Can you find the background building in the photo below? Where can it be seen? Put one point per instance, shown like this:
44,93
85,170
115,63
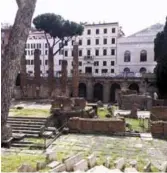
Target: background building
136,52
97,50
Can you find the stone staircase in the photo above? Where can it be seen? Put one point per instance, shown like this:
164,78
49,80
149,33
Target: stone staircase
30,126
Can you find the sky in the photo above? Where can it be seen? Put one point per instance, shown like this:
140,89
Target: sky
132,15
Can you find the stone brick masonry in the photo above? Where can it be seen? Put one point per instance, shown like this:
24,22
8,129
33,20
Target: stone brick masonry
104,126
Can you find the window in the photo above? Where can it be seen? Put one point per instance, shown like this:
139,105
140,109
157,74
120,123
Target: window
97,52
72,53
32,62
38,46
88,42
104,52
112,51
88,31
72,43
28,46
113,30
60,62
32,52
46,62
104,63
60,45
46,45
88,52
47,71
105,41
30,72
27,62
126,70
127,55
72,63
96,70
143,56
96,63
80,42
104,71
40,62
66,43
28,52
80,52
143,70
80,71
66,53
112,63
25,52
97,31
61,52
31,46
72,71
80,63
46,52
112,70
105,31
97,41
113,40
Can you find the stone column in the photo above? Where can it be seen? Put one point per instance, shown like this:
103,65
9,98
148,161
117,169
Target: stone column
89,90
64,77
51,71
23,76
75,77
37,76
106,92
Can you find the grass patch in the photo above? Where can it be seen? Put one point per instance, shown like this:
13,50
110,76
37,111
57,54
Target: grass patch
35,140
10,163
30,112
136,125
102,113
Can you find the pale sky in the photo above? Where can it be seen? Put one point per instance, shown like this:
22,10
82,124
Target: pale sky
132,15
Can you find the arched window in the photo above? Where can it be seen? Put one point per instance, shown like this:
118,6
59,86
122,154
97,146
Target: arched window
127,56
127,70
143,70
143,56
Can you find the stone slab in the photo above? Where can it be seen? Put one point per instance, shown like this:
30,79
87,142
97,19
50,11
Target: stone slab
59,168
70,162
82,165
40,165
127,170
146,136
53,164
120,163
91,160
50,156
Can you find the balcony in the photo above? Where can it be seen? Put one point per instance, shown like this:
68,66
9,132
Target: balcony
88,58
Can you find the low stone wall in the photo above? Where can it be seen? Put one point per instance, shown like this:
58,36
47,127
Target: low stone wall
159,128
159,113
142,102
104,126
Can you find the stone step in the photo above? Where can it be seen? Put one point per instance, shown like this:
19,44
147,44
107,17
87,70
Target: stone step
32,118
27,145
29,120
26,128
26,131
26,123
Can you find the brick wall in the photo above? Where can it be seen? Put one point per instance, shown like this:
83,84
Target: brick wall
159,113
104,126
159,128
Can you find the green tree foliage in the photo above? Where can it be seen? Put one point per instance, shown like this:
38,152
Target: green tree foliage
58,28
160,51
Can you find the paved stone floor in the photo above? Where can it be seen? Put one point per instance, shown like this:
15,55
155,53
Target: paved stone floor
128,147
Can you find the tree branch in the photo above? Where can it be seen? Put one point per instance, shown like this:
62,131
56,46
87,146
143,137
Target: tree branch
47,39
61,45
55,42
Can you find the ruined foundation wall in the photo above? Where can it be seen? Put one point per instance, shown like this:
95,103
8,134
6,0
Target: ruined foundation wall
103,126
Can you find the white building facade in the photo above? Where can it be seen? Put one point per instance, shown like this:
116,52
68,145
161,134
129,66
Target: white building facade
136,52
97,51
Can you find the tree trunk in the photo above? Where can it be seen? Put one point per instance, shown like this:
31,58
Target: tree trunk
23,77
37,75
64,78
51,71
75,79
12,56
